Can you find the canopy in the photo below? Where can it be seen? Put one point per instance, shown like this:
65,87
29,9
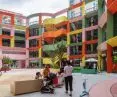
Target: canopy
91,60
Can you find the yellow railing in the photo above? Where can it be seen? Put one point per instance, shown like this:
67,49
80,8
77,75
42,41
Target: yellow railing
55,20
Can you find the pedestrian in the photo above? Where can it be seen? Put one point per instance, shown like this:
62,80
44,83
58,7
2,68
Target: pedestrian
68,77
95,67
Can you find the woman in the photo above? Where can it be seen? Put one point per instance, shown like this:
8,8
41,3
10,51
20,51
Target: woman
46,71
68,77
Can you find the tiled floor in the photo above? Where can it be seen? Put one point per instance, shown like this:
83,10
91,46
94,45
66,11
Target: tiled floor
77,83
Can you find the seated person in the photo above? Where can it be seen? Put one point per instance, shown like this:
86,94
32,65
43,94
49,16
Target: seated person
38,75
46,71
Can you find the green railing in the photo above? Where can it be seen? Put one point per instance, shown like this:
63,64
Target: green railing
19,38
53,47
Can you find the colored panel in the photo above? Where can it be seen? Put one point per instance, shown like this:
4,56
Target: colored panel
74,44
112,41
20,27
103,19
109,59
55,20
112,6
19,38
48,36
53,46
12,42
83,9
76,32
68,39
40,52
0,30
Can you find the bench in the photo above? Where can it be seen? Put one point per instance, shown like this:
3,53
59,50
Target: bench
27,86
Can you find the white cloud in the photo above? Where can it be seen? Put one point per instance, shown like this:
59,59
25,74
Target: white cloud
27,7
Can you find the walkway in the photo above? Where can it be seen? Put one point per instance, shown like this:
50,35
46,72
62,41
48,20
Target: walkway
77,83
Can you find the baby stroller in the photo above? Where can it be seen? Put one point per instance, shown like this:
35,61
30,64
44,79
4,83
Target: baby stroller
48,84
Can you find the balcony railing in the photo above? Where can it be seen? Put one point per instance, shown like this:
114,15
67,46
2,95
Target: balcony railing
53,47
74,15
95,8
34,22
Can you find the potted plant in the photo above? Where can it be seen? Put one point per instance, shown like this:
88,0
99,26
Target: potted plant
6,61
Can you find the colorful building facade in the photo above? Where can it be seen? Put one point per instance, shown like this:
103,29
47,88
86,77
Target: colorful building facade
88,31
107,49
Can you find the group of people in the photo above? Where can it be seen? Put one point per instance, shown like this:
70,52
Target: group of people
64,76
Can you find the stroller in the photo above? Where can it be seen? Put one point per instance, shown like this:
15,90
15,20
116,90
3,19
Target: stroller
48,84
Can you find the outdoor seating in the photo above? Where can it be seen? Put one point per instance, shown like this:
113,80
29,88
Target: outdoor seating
27,86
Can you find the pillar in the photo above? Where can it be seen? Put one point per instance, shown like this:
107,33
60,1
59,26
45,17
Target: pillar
109,59
27,58
0,58
0,18
83,34
12,41
12,20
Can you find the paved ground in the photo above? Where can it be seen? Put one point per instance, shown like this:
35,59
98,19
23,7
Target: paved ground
13,75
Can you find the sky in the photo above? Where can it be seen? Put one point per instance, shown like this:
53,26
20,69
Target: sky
27,7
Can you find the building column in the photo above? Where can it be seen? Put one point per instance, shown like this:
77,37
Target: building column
68,47
27,58
109,59
0,58
12,41
0,18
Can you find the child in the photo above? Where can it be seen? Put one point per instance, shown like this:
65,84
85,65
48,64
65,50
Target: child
38,75
60,78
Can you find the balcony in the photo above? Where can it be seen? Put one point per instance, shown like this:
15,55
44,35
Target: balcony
51,21
91,10
53,47
19,38
112,6
33,23
49,36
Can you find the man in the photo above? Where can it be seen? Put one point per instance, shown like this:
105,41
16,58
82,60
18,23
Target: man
68,77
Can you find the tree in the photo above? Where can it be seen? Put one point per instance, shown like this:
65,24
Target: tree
58,53
61,49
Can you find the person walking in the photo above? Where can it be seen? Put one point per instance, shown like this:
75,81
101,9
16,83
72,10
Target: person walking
68,77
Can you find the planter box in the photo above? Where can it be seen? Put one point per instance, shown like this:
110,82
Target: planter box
88,71
76,69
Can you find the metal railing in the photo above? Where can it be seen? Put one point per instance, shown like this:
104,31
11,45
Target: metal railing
34,22
95,8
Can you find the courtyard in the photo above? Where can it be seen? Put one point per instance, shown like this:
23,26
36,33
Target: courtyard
94,81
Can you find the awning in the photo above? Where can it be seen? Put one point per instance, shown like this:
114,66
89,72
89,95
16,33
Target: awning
112,41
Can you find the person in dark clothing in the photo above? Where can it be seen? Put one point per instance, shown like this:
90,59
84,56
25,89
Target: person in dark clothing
68,77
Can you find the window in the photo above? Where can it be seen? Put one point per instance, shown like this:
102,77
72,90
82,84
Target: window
33,43
6,32
6,42
88,48
95,34
34,32
88,35
33,54
94,48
